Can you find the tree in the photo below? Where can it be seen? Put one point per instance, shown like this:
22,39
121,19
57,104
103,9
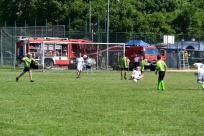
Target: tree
189,21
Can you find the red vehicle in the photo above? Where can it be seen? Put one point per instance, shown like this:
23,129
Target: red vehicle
56,50
148,52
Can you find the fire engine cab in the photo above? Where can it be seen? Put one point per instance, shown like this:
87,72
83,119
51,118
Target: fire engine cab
56,50
149,54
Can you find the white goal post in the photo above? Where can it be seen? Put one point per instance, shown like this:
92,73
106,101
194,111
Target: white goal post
44,47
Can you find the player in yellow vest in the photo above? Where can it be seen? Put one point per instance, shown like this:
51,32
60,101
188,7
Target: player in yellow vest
161,68
27,62
123,65
142,65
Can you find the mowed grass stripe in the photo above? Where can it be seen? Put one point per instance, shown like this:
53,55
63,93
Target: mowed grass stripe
58,103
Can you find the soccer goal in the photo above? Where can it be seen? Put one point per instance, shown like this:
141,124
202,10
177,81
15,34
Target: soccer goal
62,53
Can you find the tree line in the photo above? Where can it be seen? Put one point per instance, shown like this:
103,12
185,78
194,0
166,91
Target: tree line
138,16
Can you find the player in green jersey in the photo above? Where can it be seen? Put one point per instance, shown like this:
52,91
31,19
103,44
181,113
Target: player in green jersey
123,65
27,62
161,68
142,65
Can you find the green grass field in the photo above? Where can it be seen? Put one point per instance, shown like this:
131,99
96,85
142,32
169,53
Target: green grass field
99,104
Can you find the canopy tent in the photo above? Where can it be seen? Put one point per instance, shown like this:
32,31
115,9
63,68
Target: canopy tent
136,42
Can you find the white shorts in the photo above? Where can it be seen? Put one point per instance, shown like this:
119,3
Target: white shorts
201,75
135,76
79,67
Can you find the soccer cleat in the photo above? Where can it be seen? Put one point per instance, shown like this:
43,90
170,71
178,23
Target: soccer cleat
16,79
125,77
31,80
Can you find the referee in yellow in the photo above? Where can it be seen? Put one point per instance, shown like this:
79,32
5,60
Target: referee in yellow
161,68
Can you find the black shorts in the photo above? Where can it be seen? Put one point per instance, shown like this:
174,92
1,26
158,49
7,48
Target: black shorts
88,67
26,69
123,69
161,75
136,64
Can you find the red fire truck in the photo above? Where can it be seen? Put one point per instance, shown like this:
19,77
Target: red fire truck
148,52
56,50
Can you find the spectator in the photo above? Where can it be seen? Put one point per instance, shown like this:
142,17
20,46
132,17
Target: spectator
128,62
193,55
98,62
136,59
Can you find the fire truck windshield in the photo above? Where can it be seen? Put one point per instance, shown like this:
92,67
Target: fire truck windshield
151,51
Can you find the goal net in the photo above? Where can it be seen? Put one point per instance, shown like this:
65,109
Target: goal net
63,54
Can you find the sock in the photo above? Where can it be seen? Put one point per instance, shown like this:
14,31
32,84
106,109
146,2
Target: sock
202,84
162,84
159,84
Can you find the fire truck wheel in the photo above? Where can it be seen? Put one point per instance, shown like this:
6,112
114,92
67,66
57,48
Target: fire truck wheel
48,64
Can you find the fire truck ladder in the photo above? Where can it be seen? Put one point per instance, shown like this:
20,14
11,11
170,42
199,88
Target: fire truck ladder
184,60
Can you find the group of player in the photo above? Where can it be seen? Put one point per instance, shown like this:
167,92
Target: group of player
79,61
80,64
138,73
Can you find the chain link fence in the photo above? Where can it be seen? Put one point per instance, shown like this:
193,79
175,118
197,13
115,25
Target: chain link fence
193,44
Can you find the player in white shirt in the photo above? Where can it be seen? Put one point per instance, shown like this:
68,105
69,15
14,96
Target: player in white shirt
80,63
200,72
88,64
136,59
136,74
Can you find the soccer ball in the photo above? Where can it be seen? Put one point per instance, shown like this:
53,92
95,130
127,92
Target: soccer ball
85,56
135,80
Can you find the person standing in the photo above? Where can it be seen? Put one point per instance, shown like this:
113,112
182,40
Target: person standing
136,59
123,66
142,65
161,68
200,73
27,63
88,65
128,63
80,63
100,61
